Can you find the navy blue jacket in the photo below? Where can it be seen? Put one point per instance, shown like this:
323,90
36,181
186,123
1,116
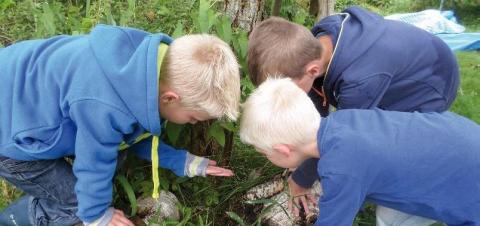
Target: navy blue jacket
383,63
425,164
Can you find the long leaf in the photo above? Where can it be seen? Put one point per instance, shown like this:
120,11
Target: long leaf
130,193
224,29
236,218
87,8
178,30
203,16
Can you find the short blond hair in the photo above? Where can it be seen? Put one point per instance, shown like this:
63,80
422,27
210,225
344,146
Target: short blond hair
277,46
278,112
204,72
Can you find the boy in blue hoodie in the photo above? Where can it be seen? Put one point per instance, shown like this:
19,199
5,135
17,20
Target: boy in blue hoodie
89,95
425,164
355,59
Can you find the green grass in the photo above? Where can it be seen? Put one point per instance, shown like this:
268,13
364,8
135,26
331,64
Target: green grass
467,102
204,199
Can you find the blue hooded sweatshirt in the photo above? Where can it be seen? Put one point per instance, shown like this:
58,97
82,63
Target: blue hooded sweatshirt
382,63
386,64
82,96
425,164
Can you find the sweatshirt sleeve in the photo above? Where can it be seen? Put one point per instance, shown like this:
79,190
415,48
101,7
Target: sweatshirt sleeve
364,94
96,147
169,157
342,198
306,174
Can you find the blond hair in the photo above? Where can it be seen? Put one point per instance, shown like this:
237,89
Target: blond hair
204,72
277,46
278,112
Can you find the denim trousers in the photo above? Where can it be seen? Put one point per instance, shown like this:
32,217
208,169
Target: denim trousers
49,186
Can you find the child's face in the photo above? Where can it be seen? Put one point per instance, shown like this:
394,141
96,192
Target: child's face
172,109
176,113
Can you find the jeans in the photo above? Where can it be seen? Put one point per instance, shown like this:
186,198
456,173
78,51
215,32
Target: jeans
391,217
50,187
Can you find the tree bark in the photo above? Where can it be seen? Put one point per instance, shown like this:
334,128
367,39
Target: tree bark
244,13
313,7
277,5
325,8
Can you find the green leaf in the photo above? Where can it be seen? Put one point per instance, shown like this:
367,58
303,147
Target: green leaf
300,17
4,4
206,16
260,201
224,29
129,14
173,132
228,126
216,131
130,193
87,8
110,19
235,217
47,21
178,32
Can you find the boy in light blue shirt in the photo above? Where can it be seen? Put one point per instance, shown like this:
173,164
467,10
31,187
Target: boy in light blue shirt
89,96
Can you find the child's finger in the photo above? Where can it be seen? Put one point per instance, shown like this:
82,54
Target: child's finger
296,206
290,205
212,163
117,211
119,219
312,199
304,202
218,171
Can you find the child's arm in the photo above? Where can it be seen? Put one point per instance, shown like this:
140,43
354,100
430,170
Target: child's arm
364,94
99,133
181,162
342,198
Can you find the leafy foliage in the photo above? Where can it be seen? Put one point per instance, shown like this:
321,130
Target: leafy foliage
205,201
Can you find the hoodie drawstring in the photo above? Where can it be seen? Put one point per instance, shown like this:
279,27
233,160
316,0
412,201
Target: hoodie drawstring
155,177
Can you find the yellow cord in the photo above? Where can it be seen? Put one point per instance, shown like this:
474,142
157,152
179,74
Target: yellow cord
156,181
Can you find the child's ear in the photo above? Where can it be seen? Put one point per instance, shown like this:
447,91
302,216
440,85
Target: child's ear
282,149
314,69
169,97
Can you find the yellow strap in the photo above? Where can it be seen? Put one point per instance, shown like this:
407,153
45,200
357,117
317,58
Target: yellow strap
124,145
162,50
156,181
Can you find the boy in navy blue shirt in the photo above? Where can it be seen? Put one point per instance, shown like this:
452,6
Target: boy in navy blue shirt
355,60
425,164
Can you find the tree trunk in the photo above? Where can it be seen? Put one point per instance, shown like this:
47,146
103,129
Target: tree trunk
276,7
325,8
313,9
244,13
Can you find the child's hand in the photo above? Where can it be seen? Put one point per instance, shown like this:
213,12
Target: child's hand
119,219
299,196
214,170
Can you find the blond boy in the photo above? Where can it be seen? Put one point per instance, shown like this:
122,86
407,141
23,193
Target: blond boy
424,164
88,95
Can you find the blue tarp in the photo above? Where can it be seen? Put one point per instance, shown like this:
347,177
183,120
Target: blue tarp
462,41
444,25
